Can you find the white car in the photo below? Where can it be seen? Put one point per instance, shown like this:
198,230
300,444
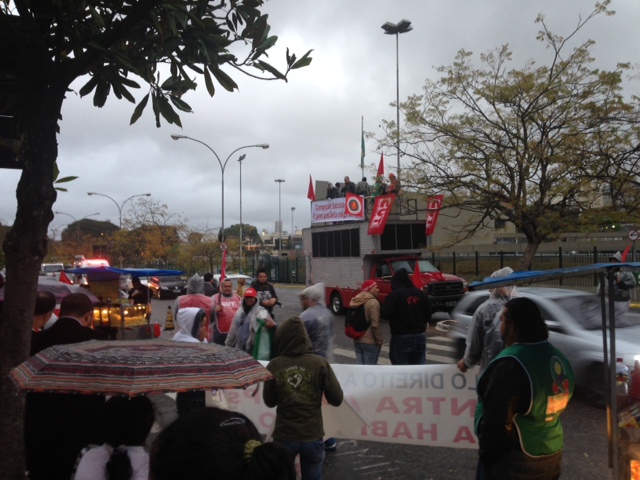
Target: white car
574,320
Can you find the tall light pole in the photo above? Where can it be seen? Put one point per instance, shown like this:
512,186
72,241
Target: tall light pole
222,167
77,222
293,209
403,26
242,157
280,181
121,205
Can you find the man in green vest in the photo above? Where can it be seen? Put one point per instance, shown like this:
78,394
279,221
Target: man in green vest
521,395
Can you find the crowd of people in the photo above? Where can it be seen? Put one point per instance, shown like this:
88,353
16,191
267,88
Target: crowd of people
516,430
379,187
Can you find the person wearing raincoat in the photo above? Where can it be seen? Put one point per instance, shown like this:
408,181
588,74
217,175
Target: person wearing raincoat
483,338
192,327
246,322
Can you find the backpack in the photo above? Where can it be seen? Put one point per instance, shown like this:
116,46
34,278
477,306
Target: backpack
355,322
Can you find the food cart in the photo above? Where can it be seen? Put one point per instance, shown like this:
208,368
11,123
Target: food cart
624,441
118,316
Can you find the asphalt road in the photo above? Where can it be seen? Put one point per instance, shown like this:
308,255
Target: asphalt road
585,455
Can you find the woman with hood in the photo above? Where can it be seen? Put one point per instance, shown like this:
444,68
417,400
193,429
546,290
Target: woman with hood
196,298
300,381
246,322
483,338
368,346
192,327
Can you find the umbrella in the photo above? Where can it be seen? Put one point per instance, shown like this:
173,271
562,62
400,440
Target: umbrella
59,289
125,367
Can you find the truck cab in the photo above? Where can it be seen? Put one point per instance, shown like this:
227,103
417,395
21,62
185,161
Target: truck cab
443,289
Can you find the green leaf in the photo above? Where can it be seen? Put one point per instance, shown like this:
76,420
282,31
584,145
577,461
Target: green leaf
265,66
209,83
67,179
304,61
139,109
223,79
180,104
102,92
89,86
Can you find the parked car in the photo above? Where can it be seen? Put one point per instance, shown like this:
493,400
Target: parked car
574,320
167,286
51,270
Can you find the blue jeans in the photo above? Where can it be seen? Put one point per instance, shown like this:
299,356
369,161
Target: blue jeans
311,457
366,353
409,349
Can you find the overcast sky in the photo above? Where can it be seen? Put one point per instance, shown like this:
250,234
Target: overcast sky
312,123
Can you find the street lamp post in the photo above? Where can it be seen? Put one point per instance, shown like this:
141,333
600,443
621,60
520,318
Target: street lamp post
77,222
242,157
293,209
403,26
120,206
280,181
222,166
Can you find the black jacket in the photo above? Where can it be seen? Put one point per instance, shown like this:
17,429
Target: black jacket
406,308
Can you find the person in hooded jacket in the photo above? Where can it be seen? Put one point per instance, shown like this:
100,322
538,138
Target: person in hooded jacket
368,346
245,324
195,297
483,338
300,381
192,327
408,311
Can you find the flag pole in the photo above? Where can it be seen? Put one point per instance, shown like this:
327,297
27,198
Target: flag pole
362,145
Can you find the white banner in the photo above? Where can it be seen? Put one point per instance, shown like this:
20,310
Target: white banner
332,210
430,405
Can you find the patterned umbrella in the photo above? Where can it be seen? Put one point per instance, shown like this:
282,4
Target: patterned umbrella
137,367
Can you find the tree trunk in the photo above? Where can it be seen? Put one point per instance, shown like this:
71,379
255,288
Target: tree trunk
25,247
529,254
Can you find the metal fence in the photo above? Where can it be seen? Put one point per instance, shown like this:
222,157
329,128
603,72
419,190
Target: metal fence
280,269
477,266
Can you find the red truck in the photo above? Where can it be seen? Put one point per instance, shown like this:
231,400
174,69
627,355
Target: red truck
343,256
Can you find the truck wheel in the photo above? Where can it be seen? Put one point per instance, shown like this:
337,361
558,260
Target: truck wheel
336,304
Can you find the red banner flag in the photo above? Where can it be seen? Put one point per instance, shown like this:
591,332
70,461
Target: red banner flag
416,278
354,205
65,279
311,195
380,167
625,253
380,213
434,204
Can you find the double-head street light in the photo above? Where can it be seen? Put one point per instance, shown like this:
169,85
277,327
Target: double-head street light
222,167
77,222
403,26
121,205
280,182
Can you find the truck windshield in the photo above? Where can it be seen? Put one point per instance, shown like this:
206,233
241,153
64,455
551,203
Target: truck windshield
409,264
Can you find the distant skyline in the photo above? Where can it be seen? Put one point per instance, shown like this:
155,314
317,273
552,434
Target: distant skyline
313,122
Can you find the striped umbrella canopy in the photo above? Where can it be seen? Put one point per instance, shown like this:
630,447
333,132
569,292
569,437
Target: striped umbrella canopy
137,367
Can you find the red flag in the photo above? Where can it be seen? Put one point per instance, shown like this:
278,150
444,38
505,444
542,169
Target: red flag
434,204
223,271
625,253
416,278
354,205
380,213
64,279
380,167
311,195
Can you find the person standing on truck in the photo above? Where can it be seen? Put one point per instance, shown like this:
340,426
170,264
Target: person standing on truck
408,311
347,187
368,346
483,338
266,293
